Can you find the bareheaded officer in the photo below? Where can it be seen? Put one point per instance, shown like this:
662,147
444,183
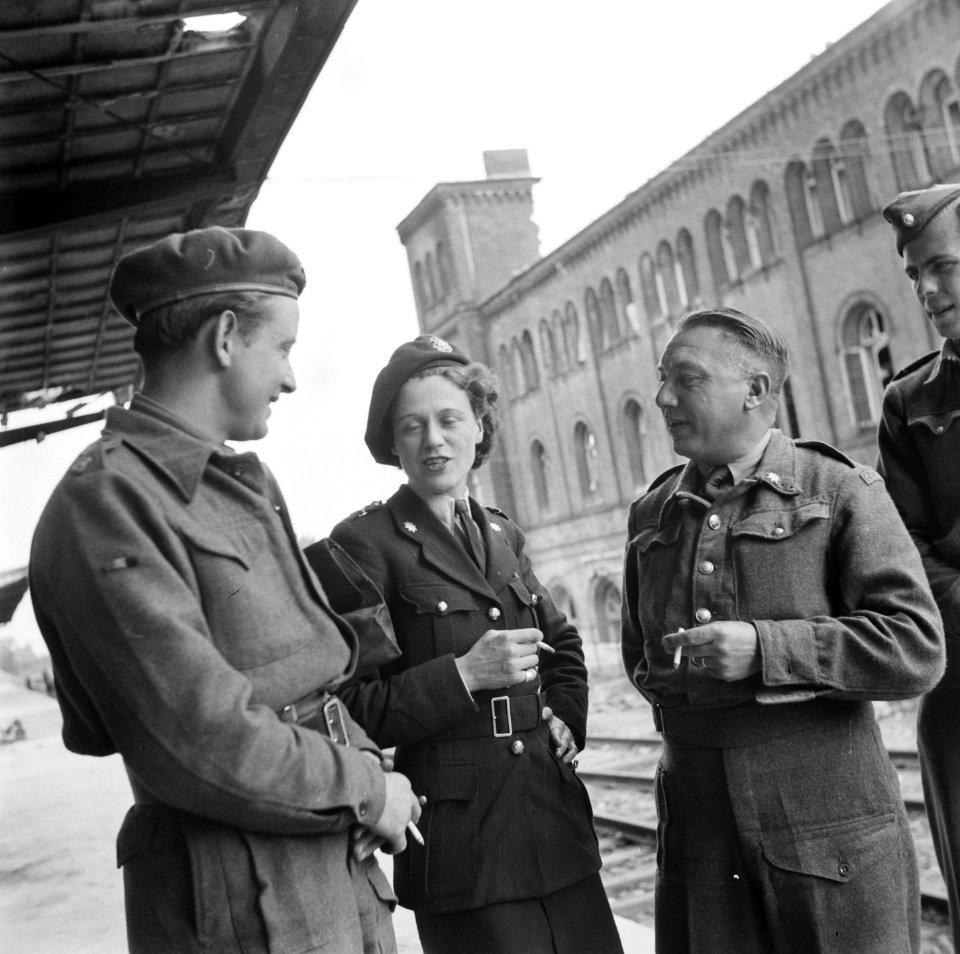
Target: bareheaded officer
188,633
920,459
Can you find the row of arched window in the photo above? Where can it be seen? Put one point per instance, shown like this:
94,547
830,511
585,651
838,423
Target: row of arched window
606,606
865,365
431,279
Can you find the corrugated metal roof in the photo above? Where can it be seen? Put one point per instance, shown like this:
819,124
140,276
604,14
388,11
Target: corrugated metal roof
118,125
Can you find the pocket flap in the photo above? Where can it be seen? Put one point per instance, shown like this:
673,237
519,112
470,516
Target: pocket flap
838,853
780,524
438,598
241,542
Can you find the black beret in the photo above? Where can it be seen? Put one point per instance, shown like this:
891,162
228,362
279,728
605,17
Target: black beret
409,359
203,262
911,212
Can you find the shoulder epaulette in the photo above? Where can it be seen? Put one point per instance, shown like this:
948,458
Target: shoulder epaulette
91,457
363,511
919,363
827,450
498,512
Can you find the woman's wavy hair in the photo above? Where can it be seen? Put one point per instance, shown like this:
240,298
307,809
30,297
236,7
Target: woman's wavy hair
483,392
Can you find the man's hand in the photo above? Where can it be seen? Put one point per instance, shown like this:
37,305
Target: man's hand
500,658
727,650
389,831
566,748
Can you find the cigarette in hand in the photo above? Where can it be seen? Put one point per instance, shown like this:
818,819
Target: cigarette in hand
678,653
542,645
414,833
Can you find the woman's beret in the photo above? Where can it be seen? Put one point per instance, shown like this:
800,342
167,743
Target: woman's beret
203,262
426,351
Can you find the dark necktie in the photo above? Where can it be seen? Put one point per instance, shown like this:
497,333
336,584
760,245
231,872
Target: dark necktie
470,533
718,481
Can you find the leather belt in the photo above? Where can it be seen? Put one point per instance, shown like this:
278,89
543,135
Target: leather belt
321,711
750,724
500,717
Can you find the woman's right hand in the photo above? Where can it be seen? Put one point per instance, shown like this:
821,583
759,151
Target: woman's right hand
500,658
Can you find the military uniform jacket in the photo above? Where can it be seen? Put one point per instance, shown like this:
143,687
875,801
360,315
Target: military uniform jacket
498,825
920,459
180,617
811,551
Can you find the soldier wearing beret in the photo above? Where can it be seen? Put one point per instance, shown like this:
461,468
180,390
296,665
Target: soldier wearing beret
920,459
487,703
770,593
189,634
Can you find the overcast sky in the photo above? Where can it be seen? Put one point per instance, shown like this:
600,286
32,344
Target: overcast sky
602,95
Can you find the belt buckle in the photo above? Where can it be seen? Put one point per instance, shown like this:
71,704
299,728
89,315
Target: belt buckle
334,721
494,717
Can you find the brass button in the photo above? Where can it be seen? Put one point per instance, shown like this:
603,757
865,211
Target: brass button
442,606
843,869
713,521
493,613
706,567
517,747
940,429
703,615
422,799
778,531
362,809
238,471
533,599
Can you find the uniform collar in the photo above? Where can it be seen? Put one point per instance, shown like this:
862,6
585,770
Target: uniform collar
948,353
167,441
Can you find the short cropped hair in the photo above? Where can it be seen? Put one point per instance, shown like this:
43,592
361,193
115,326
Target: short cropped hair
172,327
751,334
483,392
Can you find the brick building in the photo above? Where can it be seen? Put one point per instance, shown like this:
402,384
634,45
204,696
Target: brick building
776,213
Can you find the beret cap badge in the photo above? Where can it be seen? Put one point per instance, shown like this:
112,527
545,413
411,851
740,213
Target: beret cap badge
440,345
911,212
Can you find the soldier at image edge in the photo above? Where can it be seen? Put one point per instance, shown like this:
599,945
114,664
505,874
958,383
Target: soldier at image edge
188,633
919,442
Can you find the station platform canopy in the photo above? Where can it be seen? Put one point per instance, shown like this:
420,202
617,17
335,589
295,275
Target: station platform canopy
122,121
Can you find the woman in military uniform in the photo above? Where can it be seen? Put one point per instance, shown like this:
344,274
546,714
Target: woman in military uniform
487,703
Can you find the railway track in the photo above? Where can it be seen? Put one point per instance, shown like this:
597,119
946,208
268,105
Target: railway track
625,818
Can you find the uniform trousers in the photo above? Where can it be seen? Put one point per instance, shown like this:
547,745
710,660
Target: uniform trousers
938,742
794,843
573,920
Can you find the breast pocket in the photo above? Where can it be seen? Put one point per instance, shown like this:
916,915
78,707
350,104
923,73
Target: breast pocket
438,618
778,558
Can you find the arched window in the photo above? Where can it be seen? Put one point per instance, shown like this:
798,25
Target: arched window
648,288
635,435
519,368
608,313
507,370
588,465
608,612
856,159
866,361
667,273
529,359
760,229
803,196
688,284
573,335
540,467
548,345
833,189
595,320
713,227
563,601
737,230
629,315
941,123
907,150
556,326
